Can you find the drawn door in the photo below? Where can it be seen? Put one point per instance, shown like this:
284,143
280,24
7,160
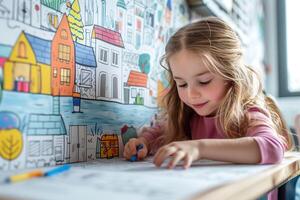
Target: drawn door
78,143
126,95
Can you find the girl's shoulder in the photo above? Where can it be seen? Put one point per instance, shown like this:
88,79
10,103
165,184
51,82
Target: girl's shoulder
258,116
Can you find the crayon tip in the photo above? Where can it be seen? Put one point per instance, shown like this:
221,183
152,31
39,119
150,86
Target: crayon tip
133,158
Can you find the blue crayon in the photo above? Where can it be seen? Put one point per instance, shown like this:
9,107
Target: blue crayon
57,170
134,157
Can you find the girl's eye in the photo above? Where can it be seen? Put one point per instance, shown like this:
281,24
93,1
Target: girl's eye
182,85
204,82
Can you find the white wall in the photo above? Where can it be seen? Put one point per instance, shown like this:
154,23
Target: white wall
290,106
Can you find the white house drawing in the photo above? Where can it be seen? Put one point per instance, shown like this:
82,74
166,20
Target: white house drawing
108,46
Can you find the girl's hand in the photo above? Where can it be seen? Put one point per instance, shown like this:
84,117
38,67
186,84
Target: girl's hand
130,149
186,151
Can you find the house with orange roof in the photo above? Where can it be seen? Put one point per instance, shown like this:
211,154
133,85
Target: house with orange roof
108,47
63,60
136,86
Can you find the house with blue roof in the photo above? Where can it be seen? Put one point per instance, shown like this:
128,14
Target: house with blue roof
85,81
42,51
46,141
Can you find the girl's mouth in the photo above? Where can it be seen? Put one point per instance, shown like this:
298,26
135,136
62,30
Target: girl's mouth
200,105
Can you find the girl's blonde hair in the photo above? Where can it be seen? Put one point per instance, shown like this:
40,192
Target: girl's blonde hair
220,49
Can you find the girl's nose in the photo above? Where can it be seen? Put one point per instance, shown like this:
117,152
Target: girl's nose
193,92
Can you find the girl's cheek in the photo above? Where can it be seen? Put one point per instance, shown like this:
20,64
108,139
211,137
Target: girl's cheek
215,93
182,96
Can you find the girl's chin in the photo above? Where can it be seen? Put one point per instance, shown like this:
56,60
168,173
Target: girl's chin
204,113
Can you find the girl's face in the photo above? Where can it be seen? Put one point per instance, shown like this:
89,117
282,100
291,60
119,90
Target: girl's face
197,87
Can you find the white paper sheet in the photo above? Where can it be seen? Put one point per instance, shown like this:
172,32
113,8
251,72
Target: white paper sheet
120,179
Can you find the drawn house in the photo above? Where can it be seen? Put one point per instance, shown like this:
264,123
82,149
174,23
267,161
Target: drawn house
46,135
108,46
85,71
63,60
136,88
42,51
107,146
21,71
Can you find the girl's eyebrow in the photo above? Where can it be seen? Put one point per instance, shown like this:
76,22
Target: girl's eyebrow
199,74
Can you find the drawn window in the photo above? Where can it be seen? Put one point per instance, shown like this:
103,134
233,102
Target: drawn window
58,153
148,37
138,41
115,58
102,85
47,148
63,34
65,76
288,42
55,72
85,78
141,92
52,20
129,36
103,54
115,87
34,148
133,92
129,20
22,50
64,52
138,25
150,19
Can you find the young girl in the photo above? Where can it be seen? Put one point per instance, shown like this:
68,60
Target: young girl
215,107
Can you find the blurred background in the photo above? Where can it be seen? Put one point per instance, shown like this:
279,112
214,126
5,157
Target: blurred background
270,37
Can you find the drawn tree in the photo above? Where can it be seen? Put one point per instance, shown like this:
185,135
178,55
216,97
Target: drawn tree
144,63
11,142
75,21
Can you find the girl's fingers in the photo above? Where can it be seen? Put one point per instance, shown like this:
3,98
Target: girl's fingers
187,161
142,153
126,152
162,154
132,146
178,156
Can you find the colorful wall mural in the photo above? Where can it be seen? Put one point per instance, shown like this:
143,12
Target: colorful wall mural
79,78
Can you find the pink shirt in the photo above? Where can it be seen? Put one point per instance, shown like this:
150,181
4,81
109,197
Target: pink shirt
271,146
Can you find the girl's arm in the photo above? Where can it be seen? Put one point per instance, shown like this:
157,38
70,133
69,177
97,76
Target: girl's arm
261,145
240,150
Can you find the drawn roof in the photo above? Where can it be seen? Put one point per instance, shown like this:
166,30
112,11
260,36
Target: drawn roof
84,55
46,124
107,35
41,48
136,78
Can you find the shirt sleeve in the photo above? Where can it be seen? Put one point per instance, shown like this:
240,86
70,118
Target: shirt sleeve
271,146
153,137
